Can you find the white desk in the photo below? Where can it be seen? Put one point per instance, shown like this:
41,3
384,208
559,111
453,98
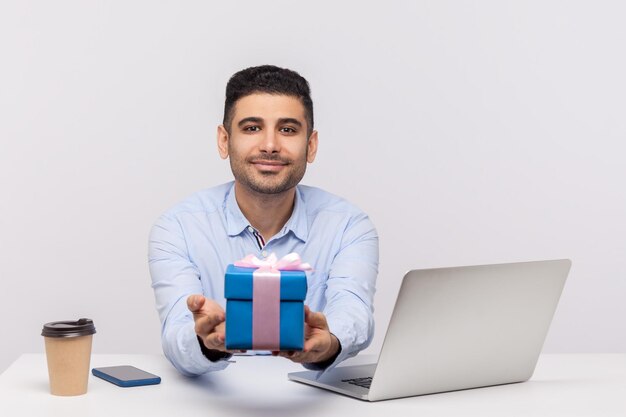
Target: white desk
563,385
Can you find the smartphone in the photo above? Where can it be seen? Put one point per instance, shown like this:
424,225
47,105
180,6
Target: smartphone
126,376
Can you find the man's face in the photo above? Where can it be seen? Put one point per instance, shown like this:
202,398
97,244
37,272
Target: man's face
267,144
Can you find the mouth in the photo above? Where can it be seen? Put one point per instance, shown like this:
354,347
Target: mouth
264,165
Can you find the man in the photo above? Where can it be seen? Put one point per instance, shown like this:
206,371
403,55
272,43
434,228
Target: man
267,133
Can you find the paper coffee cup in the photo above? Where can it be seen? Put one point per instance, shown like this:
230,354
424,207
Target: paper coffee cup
68,351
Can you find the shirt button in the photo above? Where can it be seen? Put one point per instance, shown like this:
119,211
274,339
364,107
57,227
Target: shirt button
264,253
250,229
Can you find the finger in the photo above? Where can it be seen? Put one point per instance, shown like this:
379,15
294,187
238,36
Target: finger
205,324
215,341
207,314
198,304
317,320
300,357
287,355
314,344
195,302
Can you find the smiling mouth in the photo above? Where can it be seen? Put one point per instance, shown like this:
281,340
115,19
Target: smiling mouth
274,163
269,166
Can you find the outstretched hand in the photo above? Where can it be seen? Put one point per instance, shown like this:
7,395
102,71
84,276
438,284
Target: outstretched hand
209,319
319,343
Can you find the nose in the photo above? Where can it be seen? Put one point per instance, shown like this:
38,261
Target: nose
270,142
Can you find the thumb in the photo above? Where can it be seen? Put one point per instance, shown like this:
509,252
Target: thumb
195,302
317,320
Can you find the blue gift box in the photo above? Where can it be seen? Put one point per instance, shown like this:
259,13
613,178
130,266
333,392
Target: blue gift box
238,290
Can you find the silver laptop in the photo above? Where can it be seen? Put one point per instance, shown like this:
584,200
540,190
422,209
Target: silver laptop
457,328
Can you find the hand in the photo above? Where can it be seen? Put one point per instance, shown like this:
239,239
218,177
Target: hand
209,318
319,343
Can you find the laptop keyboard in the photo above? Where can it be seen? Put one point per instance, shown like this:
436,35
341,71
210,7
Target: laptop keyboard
361,382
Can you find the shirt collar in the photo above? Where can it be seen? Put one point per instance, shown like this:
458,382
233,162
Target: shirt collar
236,222
298,222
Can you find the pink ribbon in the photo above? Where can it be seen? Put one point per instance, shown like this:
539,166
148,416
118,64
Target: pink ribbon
266,296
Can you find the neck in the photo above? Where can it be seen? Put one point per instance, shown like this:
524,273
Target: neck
267,213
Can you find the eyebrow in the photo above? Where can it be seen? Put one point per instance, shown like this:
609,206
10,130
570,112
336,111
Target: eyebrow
248,120
259,120
290,120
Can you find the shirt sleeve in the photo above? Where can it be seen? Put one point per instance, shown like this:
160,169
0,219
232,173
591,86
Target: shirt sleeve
350,289
174,278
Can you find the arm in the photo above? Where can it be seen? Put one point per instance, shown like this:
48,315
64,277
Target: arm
174,279
346,325
351,284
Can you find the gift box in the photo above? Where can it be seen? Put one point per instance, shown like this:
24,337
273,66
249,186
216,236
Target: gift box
265,303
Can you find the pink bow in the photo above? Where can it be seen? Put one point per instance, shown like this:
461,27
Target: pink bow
290,262
266,296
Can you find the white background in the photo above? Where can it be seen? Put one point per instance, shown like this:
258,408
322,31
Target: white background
471,132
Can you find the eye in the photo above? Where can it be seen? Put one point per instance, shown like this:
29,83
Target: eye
288,130
252,128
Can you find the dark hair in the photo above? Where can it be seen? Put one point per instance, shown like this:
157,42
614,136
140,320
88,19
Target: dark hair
267,79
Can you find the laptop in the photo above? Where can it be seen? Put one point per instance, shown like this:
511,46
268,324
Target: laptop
457,328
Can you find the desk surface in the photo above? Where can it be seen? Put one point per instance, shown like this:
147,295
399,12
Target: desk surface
563,385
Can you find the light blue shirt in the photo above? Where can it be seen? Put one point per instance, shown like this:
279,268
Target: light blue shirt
192,243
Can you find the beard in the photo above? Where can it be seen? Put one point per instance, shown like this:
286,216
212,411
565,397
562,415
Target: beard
267,182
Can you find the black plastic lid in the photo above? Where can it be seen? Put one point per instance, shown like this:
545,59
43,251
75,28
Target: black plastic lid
81,327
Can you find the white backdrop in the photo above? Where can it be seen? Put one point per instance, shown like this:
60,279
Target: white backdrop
471,132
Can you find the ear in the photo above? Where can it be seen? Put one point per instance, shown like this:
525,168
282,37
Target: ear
311,147
222,141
